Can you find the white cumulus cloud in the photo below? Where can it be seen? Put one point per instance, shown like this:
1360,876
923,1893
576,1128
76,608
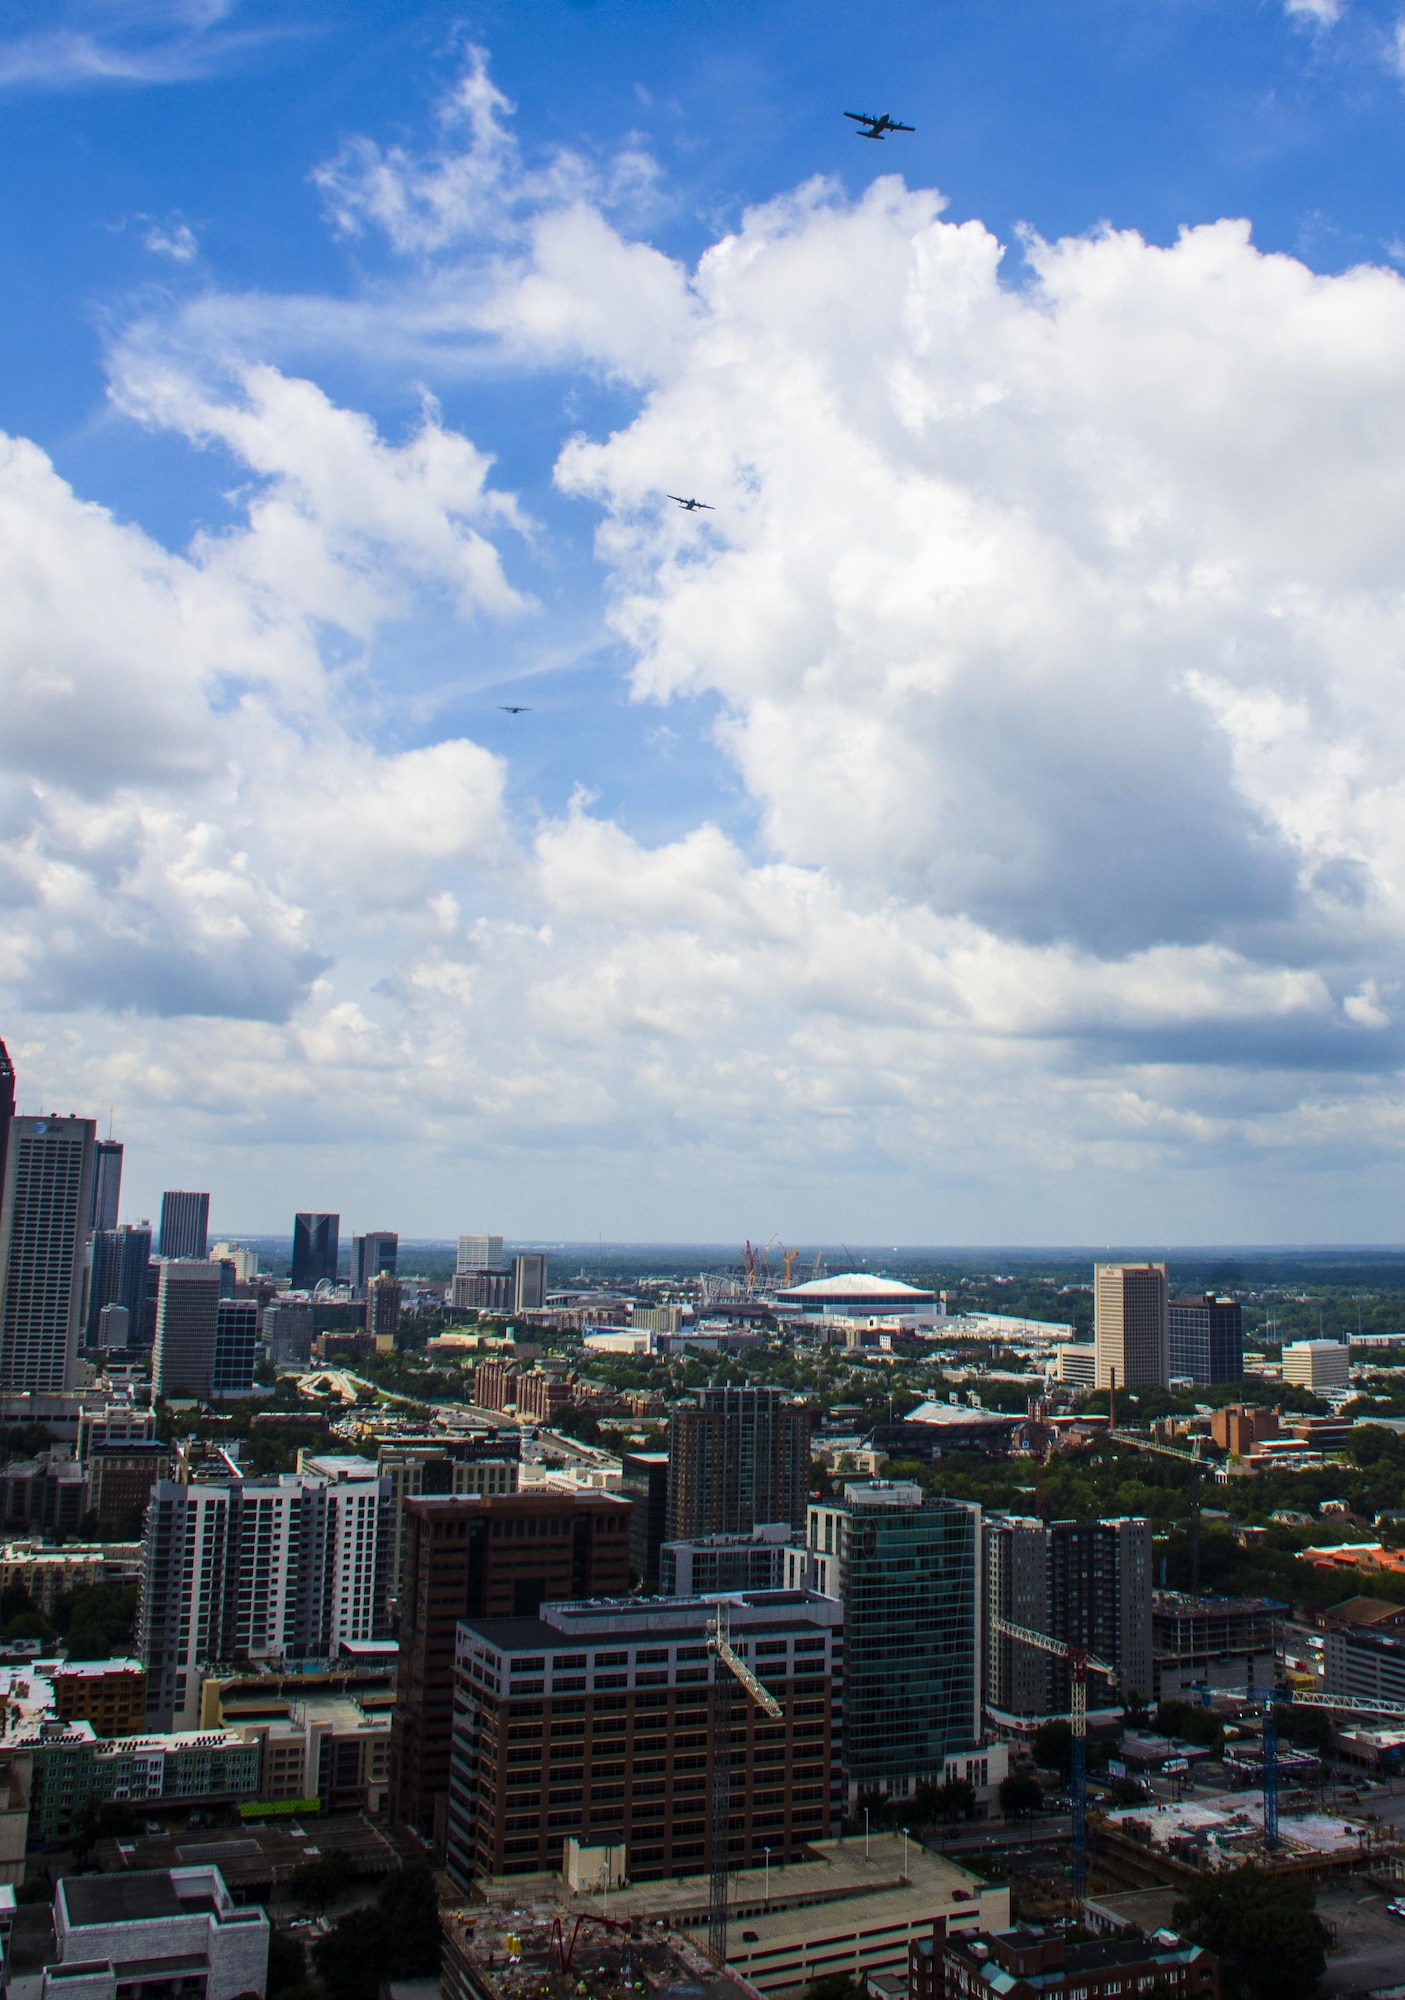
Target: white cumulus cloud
1050,618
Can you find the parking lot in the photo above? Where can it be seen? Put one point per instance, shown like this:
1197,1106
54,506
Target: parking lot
1371,1943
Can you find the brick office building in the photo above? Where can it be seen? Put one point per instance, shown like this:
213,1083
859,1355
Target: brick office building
594,1721
1028,1964
477,1555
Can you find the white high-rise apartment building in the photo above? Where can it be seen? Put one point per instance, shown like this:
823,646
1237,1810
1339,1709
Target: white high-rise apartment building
273,1569
479,1253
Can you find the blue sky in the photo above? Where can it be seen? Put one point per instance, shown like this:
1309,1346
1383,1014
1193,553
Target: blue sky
984,825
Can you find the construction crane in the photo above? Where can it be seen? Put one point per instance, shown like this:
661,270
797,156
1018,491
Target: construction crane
566,1953
1080,1664
790,1257
719,1642
1268,1701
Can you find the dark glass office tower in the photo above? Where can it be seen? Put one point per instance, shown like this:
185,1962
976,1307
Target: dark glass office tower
374,1255
907,1570
1207,1338
118,1278
185,1226
316,1249
107,1183
7,1106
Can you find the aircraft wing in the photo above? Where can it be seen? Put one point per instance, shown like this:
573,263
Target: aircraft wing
895,127
861,117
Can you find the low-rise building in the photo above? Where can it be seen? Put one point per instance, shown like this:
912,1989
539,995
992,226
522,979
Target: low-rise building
50,1573
57,1759
326,1747
121,1476
14,1820
183,1764
1076,1364
1238,1428
42,1495
163,1934
1316,1364
111,1694
1028,1964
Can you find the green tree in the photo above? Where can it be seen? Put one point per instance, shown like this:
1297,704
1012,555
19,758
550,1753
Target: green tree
396,1938
1020,1793
838,1986
287,1967
317,1882
1053,1745
1269,1940
30,1625
955,1799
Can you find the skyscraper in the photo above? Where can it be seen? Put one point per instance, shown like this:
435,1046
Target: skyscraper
44,1209
7,1106
1206,1337
185,1226
107,1183
187,1317
117,1277
374,1255
528,1281
907,1571
479,1253
1087,1582
499,1556
236,1341
316,1250
737,1458
1130,1328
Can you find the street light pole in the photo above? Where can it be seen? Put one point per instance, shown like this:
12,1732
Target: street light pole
904,1854
767,1852
865,1833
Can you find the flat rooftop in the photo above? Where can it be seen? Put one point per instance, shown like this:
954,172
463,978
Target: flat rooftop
120,1899
1234,1823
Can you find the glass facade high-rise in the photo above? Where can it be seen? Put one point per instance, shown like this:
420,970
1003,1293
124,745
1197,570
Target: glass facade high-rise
316,1250
528,1281
374,1255
236,1343
1206,1338
185,1225
117,1276
107,1183
907,1570
44,1209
